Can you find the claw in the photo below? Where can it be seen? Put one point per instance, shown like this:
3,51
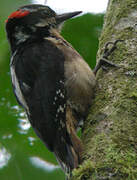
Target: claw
103,62
108,51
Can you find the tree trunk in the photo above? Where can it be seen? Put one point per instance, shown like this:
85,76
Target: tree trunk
110,131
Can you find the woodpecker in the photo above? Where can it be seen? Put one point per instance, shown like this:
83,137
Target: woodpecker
50,79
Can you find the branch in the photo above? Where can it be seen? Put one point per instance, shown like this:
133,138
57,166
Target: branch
110,132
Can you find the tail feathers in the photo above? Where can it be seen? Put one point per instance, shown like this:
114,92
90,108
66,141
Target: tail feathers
67,158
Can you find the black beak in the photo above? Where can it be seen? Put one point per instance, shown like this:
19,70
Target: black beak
63,17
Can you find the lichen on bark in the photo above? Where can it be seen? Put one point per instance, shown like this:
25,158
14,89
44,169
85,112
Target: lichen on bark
110,131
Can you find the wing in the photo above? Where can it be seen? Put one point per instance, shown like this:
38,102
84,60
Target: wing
38,79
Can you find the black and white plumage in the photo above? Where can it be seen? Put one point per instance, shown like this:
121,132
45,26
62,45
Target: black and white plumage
50,79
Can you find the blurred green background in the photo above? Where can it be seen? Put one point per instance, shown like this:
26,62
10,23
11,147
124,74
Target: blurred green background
22,154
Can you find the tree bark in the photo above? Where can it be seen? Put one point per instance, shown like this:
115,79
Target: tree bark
110,131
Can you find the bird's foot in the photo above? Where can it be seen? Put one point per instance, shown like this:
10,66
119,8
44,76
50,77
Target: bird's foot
103,62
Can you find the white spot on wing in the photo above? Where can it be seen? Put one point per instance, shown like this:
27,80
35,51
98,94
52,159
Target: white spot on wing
55,98
61,82
60,94
60,109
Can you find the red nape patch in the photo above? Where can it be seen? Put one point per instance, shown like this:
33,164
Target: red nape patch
18,14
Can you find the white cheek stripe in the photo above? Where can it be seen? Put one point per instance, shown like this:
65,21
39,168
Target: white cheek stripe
16,85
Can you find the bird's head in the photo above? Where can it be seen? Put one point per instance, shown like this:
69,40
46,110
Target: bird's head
33,21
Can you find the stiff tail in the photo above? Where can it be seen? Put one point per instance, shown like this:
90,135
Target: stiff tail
67,159
69,153
68,149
